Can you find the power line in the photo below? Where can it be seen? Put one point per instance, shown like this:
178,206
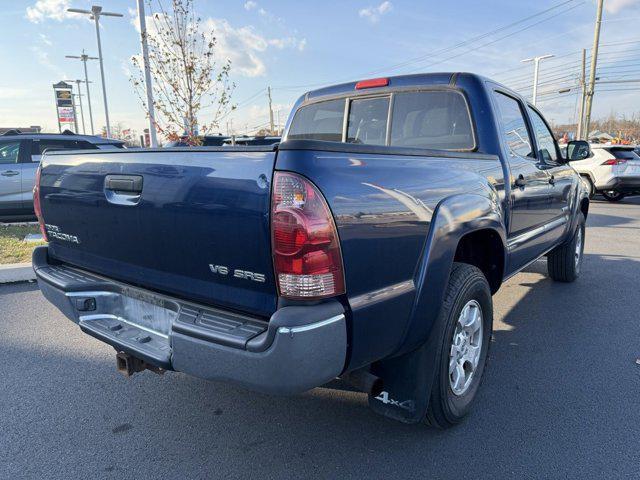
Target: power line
458,45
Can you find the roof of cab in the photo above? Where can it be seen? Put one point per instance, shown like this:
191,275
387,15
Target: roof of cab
420,79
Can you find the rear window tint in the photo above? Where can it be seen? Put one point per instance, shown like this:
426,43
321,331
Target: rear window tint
623,154
368,121
318,121
438,120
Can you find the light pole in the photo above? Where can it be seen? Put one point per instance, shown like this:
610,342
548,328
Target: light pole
147,74
536,68
78,82
83,58
95,13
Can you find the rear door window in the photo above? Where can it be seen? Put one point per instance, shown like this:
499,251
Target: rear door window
368,121
319,121
438,120
9,152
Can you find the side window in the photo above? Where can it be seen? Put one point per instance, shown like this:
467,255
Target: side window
514,126
318,121
368,121
38,147
9,152
83,145
438,120
546,145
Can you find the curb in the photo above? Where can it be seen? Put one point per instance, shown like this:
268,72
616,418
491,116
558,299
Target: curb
16,272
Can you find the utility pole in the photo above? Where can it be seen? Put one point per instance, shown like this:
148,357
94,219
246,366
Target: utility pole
592,72
271,125
583,88
536,69
95,13
83,58
147,74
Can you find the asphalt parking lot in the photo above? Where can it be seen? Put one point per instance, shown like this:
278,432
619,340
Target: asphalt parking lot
561,396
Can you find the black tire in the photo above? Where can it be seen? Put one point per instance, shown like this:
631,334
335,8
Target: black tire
565,261
612,195
466,283
591,189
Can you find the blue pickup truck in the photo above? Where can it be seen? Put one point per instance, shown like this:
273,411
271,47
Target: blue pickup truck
367,245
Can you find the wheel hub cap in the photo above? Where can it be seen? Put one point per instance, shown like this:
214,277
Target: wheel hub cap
578,252
466,346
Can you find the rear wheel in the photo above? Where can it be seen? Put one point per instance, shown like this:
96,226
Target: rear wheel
612,195
467,315
564,262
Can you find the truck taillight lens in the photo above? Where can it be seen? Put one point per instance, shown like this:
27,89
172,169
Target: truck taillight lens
304,239
36,205
614,161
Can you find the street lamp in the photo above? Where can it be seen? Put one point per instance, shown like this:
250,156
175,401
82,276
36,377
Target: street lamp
78,82
147,74
95,13
83,58
536,68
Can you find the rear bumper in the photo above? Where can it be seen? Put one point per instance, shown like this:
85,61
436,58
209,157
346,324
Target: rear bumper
298,349
622,184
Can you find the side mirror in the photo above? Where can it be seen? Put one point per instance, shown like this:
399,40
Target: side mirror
578,150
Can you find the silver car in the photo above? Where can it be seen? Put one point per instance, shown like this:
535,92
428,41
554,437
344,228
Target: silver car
19,158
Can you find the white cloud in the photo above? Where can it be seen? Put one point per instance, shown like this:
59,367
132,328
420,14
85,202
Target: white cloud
245,47
42,57
250,5
49,9
288,42
373,14
614,6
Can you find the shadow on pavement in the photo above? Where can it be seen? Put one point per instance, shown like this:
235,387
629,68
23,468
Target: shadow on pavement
560,398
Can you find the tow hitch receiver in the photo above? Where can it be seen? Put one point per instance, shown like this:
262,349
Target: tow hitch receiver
128,365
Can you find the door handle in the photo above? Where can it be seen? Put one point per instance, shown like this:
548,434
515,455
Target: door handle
520,181
9,173
552,180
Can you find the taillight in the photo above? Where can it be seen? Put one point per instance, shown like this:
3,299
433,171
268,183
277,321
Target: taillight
304,239
614,161
373,83
36,204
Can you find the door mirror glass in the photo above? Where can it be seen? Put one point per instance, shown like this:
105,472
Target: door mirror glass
578,150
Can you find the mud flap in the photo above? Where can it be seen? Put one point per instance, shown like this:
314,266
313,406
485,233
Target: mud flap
408,379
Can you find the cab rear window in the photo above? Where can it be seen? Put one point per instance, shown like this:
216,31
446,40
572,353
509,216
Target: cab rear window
436,119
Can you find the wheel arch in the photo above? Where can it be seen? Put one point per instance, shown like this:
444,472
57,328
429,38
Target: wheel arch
484,249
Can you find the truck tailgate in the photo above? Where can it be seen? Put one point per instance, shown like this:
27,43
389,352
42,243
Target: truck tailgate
189,222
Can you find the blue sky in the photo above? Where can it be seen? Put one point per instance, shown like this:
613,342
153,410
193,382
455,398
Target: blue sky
295,46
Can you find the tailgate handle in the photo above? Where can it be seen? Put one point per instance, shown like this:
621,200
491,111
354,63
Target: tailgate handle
124,184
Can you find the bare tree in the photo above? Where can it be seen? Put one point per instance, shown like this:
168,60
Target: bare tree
187,77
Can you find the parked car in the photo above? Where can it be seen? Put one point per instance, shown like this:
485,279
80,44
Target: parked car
365,246
19,158
249,141
206,141
611,170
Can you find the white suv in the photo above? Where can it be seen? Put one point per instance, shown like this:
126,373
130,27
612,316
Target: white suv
612,170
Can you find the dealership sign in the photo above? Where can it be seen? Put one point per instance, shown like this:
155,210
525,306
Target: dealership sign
64,103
